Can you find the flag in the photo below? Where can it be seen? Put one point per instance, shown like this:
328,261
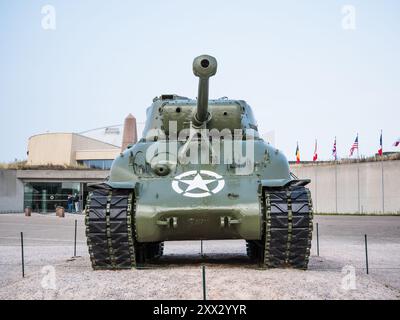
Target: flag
397,142
380,151
297,154
334,154
354,146
315,157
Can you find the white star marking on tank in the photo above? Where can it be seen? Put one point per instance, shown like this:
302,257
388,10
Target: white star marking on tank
197,183
201,180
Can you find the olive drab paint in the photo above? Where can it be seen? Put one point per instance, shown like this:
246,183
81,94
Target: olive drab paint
201,171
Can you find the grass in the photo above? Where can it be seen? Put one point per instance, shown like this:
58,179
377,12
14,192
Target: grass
23,165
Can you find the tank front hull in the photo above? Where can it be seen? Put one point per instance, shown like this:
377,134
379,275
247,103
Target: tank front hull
163,214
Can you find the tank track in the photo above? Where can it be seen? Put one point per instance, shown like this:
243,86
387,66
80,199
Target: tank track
287,229
111,237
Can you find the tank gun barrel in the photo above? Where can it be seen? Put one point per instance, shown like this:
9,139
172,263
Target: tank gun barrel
204,67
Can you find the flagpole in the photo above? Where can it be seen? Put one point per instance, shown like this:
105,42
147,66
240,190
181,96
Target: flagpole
383,187
336,195
383,183
358,175
358,182
316,177
316,189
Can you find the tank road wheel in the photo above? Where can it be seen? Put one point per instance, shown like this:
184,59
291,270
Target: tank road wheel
110,236
287,228
149,251
161,249
140,254
158,250
254,250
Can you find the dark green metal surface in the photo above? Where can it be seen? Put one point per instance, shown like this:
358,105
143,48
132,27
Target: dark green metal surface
165,198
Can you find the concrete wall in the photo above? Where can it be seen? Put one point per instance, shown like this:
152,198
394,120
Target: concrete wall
97,154
11,192
353,187
63,149
61,175
54,148
12,183
334,188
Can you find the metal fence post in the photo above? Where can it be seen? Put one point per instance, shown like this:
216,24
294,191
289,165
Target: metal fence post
204,282
22,255
75,238
366,253
317,240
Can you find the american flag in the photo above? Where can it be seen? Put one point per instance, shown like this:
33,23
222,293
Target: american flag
354,146
334,154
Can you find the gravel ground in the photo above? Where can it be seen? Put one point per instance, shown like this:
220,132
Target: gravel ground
49,248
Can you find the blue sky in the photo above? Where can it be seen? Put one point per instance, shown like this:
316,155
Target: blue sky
303,74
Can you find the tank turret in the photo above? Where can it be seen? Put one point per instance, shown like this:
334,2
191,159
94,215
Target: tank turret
204,67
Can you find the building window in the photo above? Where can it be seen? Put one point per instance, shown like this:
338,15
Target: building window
96,164
46,196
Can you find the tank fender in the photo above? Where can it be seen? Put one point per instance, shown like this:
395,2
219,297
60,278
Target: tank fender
276,183
108,185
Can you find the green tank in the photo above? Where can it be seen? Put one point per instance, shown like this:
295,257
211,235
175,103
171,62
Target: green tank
200,172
